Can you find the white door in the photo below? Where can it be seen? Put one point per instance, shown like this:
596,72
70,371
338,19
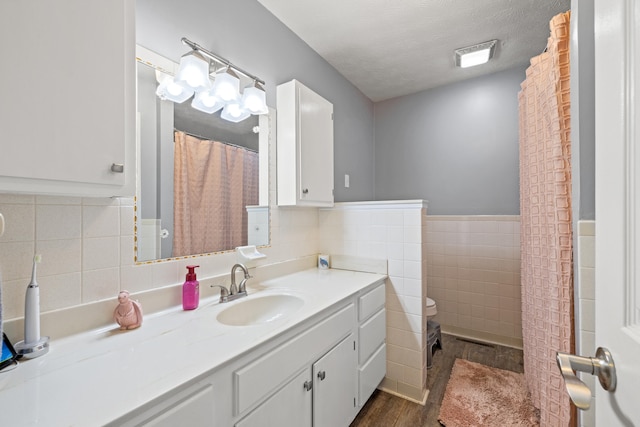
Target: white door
617,43
316,147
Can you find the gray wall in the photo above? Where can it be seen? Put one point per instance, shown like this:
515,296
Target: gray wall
248,35
583,115
455,146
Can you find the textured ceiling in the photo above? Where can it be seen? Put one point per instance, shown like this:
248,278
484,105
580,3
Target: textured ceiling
390,48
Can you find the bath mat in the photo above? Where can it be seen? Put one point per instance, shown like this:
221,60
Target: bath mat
479,396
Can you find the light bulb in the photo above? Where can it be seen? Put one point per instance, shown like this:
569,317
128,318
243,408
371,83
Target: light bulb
234,110
254,99
174,89
206,102
193,72
234,113
226,86
170,90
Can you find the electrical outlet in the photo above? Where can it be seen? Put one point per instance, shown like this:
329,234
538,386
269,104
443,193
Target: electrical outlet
346,180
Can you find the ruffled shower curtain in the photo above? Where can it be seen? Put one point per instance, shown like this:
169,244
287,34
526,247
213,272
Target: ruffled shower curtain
546,233
213,184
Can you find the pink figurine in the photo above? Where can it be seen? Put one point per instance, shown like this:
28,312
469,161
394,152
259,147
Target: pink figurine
128,313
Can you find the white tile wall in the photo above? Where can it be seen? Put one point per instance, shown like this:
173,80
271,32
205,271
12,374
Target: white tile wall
394,231
473,271
87,248
585,316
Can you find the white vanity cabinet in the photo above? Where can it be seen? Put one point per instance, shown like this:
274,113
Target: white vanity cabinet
304,147
314,371
68,97
372,356
322,396
318,372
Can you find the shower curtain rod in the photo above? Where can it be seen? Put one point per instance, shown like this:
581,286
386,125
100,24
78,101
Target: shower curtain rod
204,138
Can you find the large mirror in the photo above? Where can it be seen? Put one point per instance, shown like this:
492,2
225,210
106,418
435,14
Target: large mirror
202,183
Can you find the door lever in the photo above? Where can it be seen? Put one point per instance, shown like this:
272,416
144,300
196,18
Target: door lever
601,365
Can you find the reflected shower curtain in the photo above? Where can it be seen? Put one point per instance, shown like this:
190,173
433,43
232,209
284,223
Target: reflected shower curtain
213,183
546,234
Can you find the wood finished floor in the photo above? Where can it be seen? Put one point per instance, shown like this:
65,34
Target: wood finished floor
387,410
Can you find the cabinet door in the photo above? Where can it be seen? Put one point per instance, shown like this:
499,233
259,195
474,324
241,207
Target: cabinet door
334,391
68,97
288,407
315,119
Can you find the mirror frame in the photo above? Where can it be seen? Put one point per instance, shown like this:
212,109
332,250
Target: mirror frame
158,62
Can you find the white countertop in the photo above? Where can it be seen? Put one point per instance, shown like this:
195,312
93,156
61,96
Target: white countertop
98,376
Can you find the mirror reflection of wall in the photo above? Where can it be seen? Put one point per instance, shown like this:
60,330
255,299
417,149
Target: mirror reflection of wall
157,122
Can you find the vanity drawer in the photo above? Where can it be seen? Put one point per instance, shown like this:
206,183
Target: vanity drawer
372,333
256,380
371,373
371,302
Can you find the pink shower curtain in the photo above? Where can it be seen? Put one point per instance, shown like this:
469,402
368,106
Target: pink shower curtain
213,183
546,236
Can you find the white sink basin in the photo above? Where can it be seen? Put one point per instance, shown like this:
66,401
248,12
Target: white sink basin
260,309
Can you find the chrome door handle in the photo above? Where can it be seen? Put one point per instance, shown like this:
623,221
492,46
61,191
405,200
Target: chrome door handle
602,366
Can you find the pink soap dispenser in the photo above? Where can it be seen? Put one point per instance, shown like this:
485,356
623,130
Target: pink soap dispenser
191,290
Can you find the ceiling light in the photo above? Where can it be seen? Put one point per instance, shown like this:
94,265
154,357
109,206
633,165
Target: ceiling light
206,102
476,54
254,99
193,71
234,112
226,86
172,91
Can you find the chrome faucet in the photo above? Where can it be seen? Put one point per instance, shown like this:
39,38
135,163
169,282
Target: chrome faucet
243,285
234,291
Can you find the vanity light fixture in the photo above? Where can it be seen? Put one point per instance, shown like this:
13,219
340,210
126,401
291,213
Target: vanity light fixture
234,112
207,102
193,76
254,99
226,85
193,72
475,55
168,89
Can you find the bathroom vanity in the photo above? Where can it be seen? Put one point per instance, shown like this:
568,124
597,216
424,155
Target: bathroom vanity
316,362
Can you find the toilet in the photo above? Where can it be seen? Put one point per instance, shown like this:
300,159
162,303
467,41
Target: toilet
434,335
432,310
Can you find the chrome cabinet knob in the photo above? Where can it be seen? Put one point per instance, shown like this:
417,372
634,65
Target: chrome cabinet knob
117,167
308,385
305,191
322,375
